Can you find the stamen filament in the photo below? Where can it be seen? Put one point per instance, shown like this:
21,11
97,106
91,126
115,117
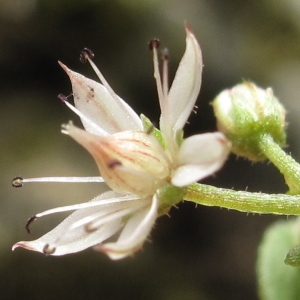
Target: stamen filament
106,85
85,205
101,77
165,73
80,206
158,78
18,181
65,179
84,118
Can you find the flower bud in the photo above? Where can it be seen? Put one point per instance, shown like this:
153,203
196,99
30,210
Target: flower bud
245,113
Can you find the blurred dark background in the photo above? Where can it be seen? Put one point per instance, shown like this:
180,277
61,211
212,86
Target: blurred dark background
198,253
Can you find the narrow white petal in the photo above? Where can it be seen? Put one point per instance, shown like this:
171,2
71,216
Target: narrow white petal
185,87
134,233
66,238
78,240
109,112
200,156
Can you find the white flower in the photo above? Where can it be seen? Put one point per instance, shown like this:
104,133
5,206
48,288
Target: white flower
133,160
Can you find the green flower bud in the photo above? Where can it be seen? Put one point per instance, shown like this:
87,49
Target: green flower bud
245,113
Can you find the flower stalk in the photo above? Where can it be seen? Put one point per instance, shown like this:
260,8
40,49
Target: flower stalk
284,162
249,202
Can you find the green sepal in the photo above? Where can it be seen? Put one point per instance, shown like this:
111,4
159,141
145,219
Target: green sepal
149,127
169,195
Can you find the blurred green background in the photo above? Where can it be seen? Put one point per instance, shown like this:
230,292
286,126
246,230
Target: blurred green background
198,253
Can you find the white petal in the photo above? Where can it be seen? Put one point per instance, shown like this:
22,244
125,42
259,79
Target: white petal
134,233
80,240
66,238
108,111
185,88
200,156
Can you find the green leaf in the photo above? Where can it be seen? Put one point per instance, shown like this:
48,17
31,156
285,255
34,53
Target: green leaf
276,280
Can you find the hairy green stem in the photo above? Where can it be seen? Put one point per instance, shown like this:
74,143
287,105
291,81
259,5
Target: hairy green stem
279,204
284,162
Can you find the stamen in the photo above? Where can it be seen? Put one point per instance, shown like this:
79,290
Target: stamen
29,221
19,181
165,54
86,54
80,206
101,78
165,72
63,98
82,116
153,45
105,83
48,250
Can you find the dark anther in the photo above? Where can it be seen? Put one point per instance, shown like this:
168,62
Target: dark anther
85,54
17,182
165,54
114,163
48,249
29,221
62,97
154,43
